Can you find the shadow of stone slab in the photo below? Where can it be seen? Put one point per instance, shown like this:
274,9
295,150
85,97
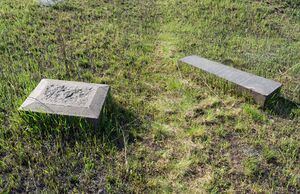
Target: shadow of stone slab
283,107
77,112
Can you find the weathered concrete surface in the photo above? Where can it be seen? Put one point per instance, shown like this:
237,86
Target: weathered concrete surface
49,2
260,88
68,98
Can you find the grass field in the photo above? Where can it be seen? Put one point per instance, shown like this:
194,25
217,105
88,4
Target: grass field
170,128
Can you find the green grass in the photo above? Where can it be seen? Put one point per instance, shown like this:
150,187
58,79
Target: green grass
170,128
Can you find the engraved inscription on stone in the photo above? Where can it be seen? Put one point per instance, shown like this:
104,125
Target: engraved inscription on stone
64,94
261,89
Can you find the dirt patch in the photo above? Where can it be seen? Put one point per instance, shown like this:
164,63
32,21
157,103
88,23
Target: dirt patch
239,151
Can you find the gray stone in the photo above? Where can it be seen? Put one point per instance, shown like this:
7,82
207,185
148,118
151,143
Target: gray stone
49,2
260,88
67,98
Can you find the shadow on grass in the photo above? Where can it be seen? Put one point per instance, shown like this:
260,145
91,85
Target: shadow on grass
116,126
283,107
66,7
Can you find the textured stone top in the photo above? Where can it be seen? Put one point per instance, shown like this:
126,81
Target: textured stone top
67,98
249,81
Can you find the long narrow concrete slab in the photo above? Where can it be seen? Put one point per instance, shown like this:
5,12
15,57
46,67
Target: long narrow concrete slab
69,98
260,88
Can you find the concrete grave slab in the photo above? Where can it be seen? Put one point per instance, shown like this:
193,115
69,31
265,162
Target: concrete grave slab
49,2
67,98
260,88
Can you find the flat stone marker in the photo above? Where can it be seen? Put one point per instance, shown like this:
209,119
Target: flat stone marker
67,98
260,88
49,2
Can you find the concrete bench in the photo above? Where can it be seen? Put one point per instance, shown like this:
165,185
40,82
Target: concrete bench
260,88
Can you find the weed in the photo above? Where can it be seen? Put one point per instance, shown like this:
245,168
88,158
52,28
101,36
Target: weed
88,164
255,114
251,167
